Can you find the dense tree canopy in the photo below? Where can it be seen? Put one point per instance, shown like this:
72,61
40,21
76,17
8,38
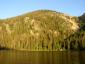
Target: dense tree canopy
42,30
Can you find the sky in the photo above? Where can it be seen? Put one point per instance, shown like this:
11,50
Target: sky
10,8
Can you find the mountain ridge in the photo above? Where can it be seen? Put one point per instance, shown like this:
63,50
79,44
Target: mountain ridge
38,30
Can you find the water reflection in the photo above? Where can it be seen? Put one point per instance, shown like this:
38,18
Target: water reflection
23,57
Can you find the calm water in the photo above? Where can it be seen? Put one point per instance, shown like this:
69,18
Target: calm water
23,57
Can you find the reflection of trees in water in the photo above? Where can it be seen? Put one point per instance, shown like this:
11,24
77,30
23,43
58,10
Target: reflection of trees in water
41,57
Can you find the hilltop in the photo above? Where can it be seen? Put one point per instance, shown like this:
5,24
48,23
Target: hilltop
39,30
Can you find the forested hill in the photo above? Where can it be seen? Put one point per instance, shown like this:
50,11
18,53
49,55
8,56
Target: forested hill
43,30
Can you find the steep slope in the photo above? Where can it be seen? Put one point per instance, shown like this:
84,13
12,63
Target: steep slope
38,30
76,41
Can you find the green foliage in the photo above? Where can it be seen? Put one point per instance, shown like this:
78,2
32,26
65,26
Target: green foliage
42,30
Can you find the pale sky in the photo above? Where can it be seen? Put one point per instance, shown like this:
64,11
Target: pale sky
10,8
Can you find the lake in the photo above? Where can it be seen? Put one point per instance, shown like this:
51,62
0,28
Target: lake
41,57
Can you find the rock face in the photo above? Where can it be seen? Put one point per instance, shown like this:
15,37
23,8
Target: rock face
38,30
